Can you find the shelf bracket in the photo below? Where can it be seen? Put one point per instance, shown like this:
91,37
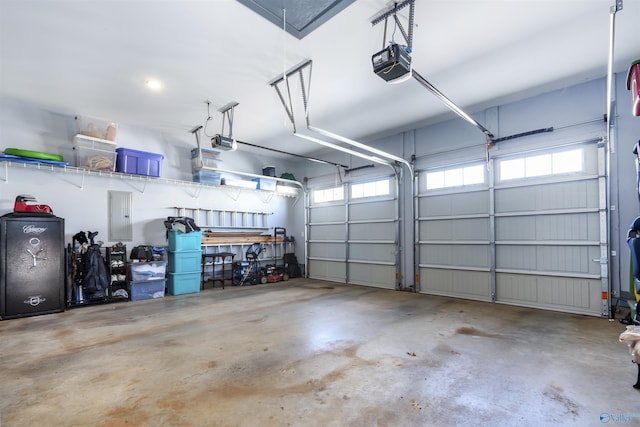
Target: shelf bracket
197,193
234,196
144,186
80,172
269,196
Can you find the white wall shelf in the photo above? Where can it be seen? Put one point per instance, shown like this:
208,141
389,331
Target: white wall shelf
82,173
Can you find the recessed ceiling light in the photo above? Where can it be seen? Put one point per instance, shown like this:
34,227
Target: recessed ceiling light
153,84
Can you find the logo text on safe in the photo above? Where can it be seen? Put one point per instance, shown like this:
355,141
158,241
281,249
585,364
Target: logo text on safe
32,229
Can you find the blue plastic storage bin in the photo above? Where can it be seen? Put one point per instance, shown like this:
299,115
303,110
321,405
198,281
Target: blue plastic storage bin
185,261
184,283
138,162
179,241
207,177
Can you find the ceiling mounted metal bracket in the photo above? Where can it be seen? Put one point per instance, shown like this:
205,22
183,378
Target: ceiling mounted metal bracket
221,141
227,116
384,16
196,132
288,104
305,86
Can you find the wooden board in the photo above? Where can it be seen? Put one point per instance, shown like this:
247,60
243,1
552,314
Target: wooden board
232,233
221,238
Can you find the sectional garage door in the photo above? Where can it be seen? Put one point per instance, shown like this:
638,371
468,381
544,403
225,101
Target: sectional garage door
354,240
327,236
536,241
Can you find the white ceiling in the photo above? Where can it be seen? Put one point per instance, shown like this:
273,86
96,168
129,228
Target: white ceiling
92,57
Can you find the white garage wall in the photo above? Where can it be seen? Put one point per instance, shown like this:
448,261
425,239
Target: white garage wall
82,200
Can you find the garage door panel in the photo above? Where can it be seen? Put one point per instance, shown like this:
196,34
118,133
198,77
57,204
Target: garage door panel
470,203
578,227
456,255
517,288
381,276
563,195
561,259
456,229
327,232
566,291
328,250
381,231
535,240
331,213
364,230
327,270
458,283
372,210
381,252
566,294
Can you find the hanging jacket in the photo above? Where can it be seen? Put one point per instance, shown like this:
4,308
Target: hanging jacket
96,279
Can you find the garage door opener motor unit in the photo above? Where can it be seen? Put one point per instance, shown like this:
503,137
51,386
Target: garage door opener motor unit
392,62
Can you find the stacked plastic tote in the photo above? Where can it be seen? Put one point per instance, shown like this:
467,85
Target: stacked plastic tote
202,161
185,262
147,280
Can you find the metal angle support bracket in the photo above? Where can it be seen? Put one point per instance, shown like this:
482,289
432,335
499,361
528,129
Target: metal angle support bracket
196,132
288,104
227,115
385,14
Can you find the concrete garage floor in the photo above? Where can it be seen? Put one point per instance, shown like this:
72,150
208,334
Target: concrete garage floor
313,353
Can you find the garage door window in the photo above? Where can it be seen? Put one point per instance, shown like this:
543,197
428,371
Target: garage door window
561,162
456,177
328,195
370,189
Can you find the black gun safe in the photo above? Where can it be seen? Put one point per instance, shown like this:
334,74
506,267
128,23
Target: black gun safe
32,265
